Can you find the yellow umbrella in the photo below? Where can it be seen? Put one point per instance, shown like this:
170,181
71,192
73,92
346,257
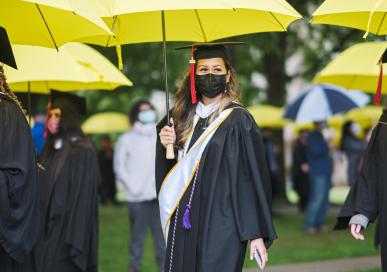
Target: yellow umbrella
75,67
366,15
366,116
107,122
140,21
49,23
190,20
356,68
268,116
334,123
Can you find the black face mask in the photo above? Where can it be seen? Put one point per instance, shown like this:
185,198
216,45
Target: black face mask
210,85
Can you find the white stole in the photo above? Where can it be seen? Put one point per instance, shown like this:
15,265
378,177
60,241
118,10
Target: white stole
179,178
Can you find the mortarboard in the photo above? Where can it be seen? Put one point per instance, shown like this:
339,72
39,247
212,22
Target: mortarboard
6,54
378,95
205,51
60,99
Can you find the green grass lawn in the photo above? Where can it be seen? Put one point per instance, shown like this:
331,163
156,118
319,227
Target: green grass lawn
292,246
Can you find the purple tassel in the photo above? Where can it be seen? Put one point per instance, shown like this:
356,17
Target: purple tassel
186,216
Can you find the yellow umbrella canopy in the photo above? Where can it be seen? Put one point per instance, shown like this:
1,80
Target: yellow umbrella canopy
366,116
106,122
140,21
49,23
75,67
356,68
268,116
367,15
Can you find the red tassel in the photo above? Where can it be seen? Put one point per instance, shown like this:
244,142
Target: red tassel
378,96
192,78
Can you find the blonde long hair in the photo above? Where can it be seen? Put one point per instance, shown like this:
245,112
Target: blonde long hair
184,111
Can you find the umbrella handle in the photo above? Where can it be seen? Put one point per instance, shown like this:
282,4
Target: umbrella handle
170,152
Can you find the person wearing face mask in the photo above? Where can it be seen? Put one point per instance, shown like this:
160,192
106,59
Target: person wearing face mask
353,148
18,175
68,204
134,167
215,198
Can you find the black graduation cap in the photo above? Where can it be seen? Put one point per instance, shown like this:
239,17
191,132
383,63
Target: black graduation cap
378,95
6,54
210,50
62,99
205,51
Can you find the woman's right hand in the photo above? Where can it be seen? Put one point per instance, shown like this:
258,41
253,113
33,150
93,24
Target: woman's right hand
356,232
168,135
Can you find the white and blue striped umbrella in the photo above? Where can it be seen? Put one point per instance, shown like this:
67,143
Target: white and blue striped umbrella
320,102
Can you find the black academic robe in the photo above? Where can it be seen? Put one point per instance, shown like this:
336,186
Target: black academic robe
231,203
68,227
18,189
368,196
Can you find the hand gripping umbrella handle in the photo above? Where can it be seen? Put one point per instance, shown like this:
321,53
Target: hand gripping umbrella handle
170,152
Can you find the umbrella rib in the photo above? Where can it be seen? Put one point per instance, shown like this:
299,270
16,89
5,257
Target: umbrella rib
201,26
49,31
275,18
114,23
381,23
352,81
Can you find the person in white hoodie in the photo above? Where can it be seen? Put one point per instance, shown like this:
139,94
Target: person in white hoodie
134,166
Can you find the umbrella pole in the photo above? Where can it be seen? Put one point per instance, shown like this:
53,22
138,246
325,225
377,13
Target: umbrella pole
29,103
170,152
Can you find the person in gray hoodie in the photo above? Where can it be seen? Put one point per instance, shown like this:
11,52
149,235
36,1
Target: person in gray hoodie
134,166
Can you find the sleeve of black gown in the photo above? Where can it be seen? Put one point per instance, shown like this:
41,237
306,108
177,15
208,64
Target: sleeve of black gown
249,181
18,183
163,166
82,233
363,196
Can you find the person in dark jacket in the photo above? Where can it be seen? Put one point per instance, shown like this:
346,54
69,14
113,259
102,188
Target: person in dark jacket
318,154
107,188
300,170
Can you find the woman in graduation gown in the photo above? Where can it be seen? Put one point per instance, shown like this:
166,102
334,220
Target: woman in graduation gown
18,176
367,200
216,196
68,229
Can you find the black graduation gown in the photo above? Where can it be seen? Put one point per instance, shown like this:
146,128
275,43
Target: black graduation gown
231,203
68,229
18,189
368,196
